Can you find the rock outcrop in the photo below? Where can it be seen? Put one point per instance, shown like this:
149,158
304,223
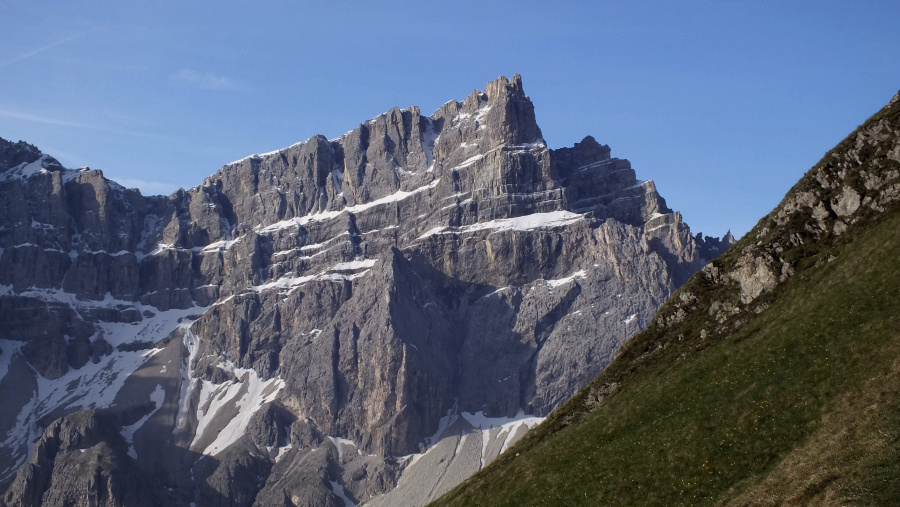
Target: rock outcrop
81,459
286,329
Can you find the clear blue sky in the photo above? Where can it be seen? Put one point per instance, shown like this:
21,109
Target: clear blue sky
724,104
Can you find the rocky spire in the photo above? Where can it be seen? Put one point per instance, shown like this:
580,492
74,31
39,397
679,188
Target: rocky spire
505,112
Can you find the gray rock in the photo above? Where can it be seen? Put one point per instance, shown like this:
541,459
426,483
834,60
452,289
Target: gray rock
48,354
712,247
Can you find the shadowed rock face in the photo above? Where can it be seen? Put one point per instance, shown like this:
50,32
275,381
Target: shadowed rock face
348,290
81,460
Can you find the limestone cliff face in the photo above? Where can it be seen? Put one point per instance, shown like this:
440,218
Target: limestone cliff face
338,295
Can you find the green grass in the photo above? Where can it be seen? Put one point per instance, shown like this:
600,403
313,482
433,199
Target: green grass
796,404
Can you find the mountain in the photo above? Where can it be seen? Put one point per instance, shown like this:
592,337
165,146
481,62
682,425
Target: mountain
772,377
308,325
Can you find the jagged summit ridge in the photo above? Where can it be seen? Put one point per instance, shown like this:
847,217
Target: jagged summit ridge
360,290
400,150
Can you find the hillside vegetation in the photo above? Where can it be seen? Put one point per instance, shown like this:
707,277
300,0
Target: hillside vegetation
772,377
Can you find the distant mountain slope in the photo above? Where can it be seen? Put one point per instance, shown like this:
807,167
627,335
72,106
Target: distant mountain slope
772,377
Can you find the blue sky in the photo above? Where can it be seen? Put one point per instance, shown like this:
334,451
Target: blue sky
724,104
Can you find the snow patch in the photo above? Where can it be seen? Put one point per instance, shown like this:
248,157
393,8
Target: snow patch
523,223
149,328
158,396
219,246
596,165
314,246
444,422
26,170
470,161
480,421
388,228
339,443
353,265
429,140
217,401
282,452
508,425
284,284
151,224
563,281
338,490
493,431
9,348
161,248
498,291
482,112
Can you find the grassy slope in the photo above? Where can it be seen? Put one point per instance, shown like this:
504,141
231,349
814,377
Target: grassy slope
799,403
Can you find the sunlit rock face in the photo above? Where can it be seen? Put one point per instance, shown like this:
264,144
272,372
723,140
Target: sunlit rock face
305,323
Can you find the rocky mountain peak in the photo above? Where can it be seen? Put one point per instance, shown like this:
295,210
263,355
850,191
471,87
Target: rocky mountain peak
513,121
304,315
13,154
21,159
504,86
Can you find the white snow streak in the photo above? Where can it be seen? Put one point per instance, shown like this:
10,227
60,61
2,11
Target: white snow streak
337,272
326,215
563,281
218,246
285,283
268,153
282,452
523,223
353,265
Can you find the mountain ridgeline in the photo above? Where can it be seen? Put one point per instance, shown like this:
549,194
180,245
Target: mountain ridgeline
772,377
308,325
